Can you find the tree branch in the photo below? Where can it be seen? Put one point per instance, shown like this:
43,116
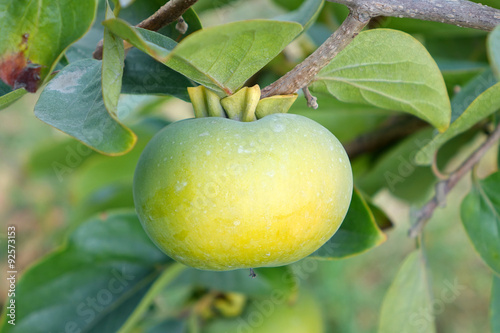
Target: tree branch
304,72
456,12
445,186
167,14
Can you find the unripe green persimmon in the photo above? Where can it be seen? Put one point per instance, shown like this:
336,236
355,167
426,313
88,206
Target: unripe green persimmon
220,194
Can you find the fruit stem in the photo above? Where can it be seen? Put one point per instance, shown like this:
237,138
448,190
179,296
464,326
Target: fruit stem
244,105
206,103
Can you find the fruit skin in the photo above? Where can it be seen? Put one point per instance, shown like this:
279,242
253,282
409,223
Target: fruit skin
219,194
266,316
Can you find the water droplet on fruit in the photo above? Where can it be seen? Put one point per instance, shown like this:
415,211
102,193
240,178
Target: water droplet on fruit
236,223
205,134
278,127
180,185
208,152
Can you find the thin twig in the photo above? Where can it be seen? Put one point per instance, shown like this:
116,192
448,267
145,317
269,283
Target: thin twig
456,12
304,72
312,101
168,13
445,186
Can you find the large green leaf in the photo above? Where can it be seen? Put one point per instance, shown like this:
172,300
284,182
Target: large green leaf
495,305
391,70
224,57
407,305
113,59
480,212
73,103
91,284
494,50
358,233
35,34
483,106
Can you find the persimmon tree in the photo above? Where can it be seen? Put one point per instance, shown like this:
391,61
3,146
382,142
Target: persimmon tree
93,62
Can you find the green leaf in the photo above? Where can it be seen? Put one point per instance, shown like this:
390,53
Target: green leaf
407,306
35,35
112,67
152,43
461,101
494,50
357,234
306,14
495,305
483,106
480,212
93,283
268,281
224,57
10,97
72,102
388,69
145,75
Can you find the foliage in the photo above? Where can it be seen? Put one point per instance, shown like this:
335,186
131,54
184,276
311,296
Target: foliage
107,275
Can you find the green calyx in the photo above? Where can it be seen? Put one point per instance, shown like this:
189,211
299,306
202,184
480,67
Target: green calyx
244,105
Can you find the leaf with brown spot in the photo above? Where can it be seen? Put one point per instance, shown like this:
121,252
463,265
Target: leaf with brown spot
35,34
